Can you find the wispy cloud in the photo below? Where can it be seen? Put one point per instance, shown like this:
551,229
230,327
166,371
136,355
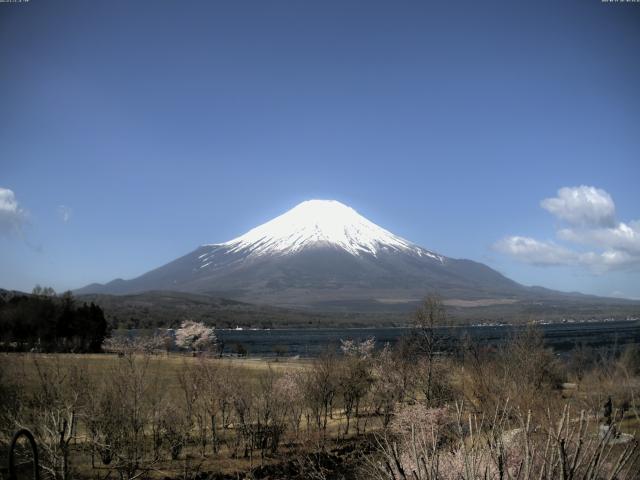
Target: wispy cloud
623,236
64,213
589,217
536,252
12,216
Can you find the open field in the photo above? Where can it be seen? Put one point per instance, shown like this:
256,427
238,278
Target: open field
165,367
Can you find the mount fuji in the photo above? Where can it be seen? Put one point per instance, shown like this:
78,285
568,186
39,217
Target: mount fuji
322,254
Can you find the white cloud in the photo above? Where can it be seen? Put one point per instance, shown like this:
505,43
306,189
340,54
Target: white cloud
12,217
544,254
590,215
64,213
582,206
535,252
623,236
609,260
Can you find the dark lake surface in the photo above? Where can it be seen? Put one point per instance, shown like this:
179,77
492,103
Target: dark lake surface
562,337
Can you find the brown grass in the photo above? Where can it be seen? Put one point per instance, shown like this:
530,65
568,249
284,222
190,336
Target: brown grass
22,366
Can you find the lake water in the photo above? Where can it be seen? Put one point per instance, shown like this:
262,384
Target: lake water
311,342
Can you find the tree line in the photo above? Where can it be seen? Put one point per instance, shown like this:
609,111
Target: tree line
46,322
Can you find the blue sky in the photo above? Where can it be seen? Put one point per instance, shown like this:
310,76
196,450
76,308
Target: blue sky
131,132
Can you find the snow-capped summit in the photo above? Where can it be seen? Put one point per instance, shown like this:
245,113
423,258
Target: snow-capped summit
320,223
320,254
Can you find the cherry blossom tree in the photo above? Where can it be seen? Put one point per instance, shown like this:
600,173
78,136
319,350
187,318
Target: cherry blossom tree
196,336
363,349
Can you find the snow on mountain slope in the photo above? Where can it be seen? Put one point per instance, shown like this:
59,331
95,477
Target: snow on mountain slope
319,254
321,222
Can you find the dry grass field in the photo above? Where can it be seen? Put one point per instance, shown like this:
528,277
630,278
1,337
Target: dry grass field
164,367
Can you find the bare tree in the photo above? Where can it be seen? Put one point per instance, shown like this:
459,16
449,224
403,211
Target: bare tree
522,369
11,394
320,390
290,388
125,407
388,387
271,409
354,377
212,403
143,344
430,315
56,405
193,412
506,445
